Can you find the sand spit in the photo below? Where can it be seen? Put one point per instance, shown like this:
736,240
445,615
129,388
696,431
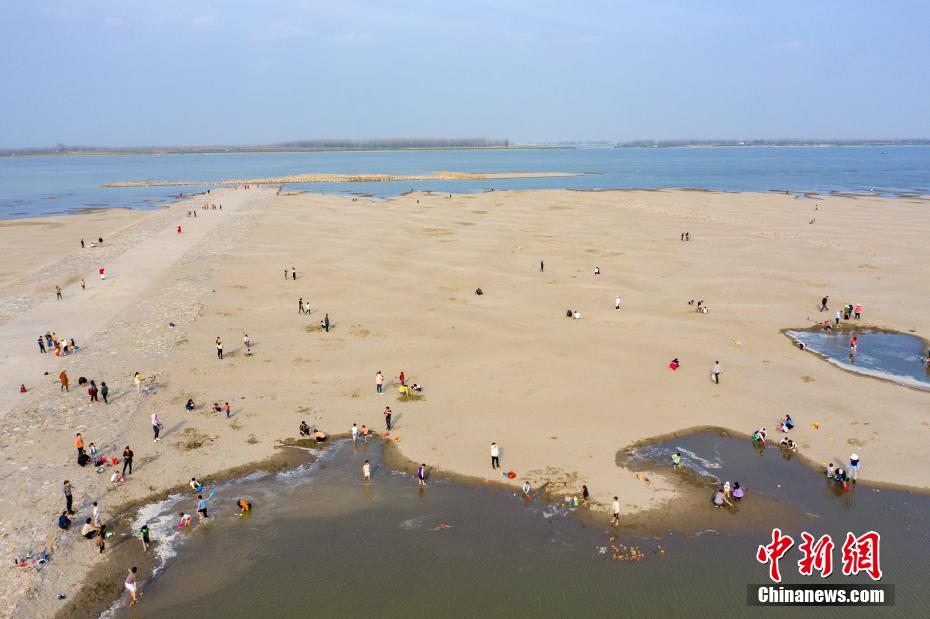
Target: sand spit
348,178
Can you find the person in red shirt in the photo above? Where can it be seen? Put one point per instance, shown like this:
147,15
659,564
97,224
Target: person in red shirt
401,378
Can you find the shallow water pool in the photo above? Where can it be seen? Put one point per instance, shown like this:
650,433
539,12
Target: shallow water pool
898,357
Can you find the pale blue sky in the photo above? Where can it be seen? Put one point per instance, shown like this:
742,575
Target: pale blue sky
112,72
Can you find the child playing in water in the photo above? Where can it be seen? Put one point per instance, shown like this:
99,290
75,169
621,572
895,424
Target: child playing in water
184,520
737,491
676,460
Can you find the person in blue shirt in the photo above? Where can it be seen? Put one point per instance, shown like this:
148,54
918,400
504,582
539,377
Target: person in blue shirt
201,507
63,521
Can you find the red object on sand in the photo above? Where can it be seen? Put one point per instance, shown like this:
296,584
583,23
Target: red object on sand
511,475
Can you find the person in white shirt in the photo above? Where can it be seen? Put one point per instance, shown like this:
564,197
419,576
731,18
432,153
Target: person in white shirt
495,456
527,488
616,510
716,372
354,433
617,304
366,471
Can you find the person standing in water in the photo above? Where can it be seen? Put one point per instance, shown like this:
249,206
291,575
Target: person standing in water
421,474
854,467
366,471
615,520
354,432
201,507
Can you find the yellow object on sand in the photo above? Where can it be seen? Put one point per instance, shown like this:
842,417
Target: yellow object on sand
405,390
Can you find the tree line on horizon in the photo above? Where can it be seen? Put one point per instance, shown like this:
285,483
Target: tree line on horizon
296,145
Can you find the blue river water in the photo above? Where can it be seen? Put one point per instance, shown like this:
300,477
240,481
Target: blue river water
898,357
32,186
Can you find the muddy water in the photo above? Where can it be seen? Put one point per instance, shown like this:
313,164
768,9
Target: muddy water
322,542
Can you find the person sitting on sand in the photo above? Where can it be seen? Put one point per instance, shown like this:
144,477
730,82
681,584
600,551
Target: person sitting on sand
304,429
719,498
674,364
737,491
217,408
63,521
189,406
479,291
195,484
569,313
416,387
320,436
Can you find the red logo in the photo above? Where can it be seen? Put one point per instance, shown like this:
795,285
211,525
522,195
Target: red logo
773,552
860,554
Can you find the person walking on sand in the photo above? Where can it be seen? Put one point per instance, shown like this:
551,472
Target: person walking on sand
92,391
58,292
219,348
104,391
542,266
366,471
294,274
495,456
227,410
326,323
617,304
127,460
101,540
387,417
421,474
138,379
83,284
379,383
41,345
145,535
615,520
63,377
300,305
69,498
716,372
132,587
156,427
823,304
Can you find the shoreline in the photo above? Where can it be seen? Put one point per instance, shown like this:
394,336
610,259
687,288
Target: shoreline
895,379
346,178
102,589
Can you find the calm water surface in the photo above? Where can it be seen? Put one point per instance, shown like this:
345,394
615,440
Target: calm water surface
321,542
894,356
42,185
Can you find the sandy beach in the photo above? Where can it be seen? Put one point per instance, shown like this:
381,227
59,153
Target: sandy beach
397,279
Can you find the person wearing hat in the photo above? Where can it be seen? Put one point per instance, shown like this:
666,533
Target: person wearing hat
854,467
